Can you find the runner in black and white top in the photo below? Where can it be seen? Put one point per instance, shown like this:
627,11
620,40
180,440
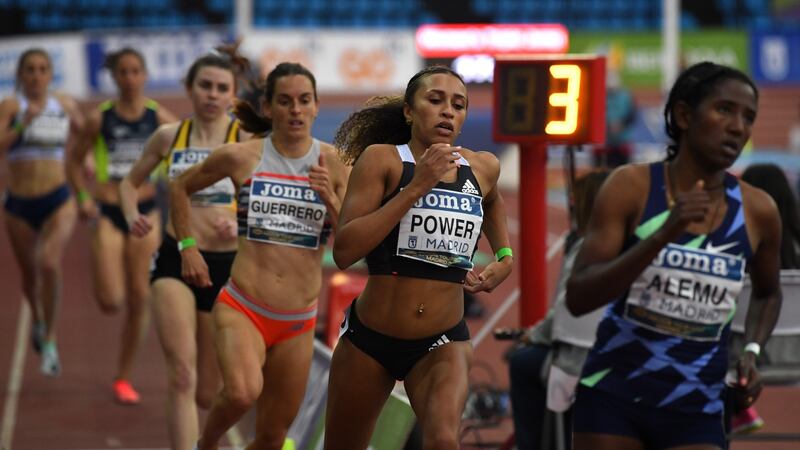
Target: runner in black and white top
415,207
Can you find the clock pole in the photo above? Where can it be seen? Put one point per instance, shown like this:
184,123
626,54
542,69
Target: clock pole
532,251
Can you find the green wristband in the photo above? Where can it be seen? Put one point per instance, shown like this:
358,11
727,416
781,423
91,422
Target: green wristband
503,252
19,127
83,195
186,243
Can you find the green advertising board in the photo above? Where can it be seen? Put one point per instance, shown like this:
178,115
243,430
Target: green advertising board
637,56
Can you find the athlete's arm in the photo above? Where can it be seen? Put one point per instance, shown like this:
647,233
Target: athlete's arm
363,222
766,297
8,132
227,161
76,122
494,225
75,161
155,150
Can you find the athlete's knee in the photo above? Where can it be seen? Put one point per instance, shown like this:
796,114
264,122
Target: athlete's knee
50,267
182,377
109,303
204,397
442,438
241,394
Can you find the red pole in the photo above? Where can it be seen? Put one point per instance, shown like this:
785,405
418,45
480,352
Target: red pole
533,233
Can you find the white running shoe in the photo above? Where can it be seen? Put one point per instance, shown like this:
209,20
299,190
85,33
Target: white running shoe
51,364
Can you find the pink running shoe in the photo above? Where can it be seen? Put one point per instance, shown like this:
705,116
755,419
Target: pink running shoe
747,421
125,393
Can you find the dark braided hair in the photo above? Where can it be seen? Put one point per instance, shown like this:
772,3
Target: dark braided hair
247,114
382,121
692,87
772,179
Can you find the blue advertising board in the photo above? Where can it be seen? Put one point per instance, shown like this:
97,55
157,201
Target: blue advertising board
775,57
168,55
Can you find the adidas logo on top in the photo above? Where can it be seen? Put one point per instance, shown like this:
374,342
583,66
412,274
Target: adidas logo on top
441,341
469,188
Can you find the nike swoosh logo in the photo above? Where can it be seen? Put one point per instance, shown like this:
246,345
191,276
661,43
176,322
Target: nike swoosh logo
711,249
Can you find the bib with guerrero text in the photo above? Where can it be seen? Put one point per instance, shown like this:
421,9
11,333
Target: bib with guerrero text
285,210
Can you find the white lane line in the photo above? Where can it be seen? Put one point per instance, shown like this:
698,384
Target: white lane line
514,296
15,376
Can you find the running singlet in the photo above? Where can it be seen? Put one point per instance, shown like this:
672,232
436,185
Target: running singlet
277,204
438,236
664,342
120,142
45,137
182,156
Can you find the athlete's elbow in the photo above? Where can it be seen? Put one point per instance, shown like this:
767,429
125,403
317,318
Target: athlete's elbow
573,300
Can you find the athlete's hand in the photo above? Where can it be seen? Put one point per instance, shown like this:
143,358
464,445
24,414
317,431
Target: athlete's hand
227,228
194,269
140,225
87,209
437,160
692,206
748,381
320,180
30,113
491,276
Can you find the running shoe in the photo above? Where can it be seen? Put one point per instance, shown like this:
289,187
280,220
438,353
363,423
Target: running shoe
51,364
125,393
38,334
746,421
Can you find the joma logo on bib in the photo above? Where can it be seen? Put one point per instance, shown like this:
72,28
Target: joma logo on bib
670,257
440,200
190,157
287,191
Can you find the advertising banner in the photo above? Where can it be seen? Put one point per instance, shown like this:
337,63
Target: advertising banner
776,57
168,55
637,56
66,52
350,61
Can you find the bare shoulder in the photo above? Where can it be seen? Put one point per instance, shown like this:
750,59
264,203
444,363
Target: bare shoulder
379,156
758,204
330,153
634,178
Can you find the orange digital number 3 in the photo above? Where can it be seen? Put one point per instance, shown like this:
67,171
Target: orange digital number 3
567,100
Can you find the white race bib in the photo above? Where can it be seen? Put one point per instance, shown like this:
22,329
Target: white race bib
220,193
442,228
285,211
47,130
123,157
687,292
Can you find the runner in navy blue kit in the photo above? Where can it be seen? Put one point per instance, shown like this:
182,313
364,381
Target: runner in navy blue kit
38,128
668,245
117,131
290,188
415,207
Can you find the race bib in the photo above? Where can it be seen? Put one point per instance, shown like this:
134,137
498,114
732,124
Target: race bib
685,292
47,130
122,158
285,212
442,228
218,194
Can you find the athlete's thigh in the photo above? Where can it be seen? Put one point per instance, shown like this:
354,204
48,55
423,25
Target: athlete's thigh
208,373
23,243
285,378
240,349
56,231
139,254
358,387
108,245
174,316
437,385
